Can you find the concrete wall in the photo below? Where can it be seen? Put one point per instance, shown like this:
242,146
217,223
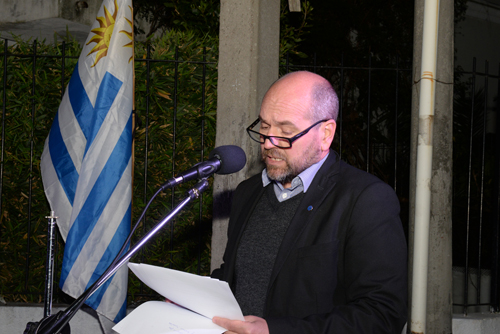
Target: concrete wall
27,10
13,319
83,12
41,18
75,11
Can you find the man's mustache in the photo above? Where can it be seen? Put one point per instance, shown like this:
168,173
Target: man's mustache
273,153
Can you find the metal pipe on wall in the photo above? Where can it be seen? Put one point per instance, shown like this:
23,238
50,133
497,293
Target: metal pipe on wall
424,166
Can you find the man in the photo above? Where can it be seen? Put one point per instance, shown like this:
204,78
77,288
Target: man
314,245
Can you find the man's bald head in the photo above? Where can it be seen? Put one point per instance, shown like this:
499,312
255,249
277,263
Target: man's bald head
311,89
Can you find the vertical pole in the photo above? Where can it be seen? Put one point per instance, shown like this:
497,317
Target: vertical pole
368,113
424,166
439,306
174,149
49,264
200,212
4,113
146,143
340,94
469,182
494,296
395,179
481,201
28,241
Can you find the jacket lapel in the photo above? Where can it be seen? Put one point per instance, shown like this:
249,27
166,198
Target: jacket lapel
250,200
323,183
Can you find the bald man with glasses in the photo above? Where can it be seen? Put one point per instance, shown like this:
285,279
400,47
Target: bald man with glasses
314,245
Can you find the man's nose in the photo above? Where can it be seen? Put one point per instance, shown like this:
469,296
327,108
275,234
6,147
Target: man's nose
268,144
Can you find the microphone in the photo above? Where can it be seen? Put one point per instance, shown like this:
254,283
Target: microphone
226,159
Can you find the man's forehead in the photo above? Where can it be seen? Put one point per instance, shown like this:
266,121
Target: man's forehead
285,114
286,103
277,121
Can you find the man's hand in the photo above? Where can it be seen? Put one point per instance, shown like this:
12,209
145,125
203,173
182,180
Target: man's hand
251,325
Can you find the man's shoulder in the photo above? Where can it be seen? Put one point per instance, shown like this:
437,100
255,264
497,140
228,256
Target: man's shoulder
344,172
253,182
351,177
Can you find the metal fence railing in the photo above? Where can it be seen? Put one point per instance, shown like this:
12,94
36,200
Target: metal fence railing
373,134
476,190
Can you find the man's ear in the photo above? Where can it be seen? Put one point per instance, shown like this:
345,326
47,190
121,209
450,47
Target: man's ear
328,134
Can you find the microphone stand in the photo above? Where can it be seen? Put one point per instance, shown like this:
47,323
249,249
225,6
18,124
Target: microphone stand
55,324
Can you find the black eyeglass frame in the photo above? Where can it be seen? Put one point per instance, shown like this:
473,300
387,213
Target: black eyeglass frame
290,140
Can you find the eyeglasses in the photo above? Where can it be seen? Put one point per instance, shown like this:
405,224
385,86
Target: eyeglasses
281,142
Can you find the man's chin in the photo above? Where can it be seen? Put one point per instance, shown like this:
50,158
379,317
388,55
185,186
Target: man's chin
275,175
278,175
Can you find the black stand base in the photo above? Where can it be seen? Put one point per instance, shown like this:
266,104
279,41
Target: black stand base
35,327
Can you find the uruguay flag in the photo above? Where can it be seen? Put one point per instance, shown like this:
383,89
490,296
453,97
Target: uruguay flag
87,160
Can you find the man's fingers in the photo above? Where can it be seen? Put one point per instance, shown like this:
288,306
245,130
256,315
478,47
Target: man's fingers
251,324
231,325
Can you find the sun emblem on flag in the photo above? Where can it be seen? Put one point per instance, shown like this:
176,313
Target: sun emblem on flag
104,32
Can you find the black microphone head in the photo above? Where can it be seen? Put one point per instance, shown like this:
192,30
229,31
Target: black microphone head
232,158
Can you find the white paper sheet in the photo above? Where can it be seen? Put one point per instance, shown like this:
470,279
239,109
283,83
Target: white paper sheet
159,317
204,295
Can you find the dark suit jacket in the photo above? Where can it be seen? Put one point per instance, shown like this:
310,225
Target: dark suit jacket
342,265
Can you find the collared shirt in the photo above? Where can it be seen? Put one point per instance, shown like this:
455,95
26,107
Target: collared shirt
299,184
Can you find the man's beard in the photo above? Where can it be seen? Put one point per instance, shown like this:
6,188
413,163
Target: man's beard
292,169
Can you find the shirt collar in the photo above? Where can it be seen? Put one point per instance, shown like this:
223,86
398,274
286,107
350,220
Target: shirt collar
305,178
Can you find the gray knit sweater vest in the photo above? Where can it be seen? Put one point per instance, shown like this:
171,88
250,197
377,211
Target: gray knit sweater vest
258,248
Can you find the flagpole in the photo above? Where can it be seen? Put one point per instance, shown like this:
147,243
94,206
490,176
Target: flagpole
133,60
134,115
49,264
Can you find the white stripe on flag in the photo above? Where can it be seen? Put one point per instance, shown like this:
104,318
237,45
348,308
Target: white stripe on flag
71,132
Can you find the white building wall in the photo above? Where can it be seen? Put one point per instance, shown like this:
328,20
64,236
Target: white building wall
83,12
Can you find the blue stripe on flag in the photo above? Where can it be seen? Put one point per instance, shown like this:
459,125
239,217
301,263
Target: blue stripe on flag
97,200
108,256
62,162
80,102
110,86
